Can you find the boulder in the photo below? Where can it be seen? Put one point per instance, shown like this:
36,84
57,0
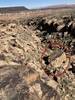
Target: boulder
13,83
57,58
44,91
61,28
73,30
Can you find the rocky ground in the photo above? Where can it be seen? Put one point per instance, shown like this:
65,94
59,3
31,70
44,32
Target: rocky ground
37,58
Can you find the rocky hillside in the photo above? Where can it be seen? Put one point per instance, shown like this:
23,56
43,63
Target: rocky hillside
37,58
12,9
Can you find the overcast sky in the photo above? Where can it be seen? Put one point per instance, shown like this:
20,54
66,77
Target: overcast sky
34,3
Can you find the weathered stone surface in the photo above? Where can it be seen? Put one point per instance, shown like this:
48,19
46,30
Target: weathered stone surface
72,59
12,86
45,92
59,60
24,73
30,75
61,28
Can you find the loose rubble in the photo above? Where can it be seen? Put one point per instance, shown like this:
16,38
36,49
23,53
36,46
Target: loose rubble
37,59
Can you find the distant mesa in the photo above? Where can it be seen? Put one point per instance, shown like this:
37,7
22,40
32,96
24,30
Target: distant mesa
54,7
17,9
12,9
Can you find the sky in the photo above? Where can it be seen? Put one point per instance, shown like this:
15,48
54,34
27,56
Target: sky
34,3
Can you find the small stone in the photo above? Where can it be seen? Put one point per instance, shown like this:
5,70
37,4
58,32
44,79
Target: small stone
61,28
52,83
65,34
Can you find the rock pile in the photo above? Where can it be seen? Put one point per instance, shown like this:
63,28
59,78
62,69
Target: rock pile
37,59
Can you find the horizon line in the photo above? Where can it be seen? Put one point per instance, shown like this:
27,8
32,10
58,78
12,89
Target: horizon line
52,5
